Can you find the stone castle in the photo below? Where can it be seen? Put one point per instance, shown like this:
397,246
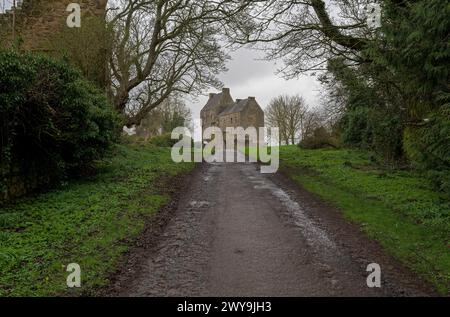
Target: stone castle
37,21
223,112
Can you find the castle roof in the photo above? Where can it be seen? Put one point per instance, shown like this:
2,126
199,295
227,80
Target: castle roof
213,101
225,101
238,106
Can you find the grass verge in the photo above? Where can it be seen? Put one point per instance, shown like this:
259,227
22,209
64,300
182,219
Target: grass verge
88,222
397,208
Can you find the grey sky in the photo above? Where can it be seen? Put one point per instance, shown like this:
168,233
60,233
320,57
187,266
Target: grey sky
248,75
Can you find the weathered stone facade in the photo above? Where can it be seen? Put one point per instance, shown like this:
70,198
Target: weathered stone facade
37,21
223,112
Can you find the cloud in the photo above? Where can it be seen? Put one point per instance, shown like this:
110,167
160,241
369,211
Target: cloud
246,65
248,75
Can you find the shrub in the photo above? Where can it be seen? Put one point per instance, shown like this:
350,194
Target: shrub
355,125
375,130
386,136
53,122
163,140
428,148
320,138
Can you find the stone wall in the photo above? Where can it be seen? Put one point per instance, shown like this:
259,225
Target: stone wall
210,117
19,184
37,21
232,120
252,115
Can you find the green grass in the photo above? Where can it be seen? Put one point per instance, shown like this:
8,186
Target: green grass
397,208
88,222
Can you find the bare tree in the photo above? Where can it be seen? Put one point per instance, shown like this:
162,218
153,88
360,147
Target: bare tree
162,47
311,120
305,34
171,113
174,113
288,113
333,98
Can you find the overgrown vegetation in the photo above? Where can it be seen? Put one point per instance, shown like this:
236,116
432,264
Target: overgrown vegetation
88,48
89,222
163,140
397,102
53,122
170,114
398,208
386,71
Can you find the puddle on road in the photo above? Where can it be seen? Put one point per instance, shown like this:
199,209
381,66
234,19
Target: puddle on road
227,157
315,236
199,204
312,233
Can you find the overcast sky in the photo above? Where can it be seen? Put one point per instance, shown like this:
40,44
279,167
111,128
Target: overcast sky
248,75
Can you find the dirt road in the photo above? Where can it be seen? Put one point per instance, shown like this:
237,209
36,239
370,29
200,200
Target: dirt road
237,232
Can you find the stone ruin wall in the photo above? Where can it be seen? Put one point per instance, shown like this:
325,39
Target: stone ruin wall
37,21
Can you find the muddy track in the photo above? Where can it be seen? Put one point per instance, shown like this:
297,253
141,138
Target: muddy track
233,231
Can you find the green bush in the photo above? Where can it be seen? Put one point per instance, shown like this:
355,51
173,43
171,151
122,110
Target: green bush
375,130
53,122
428,145
428,148
320,138
163,140
355,126
386,134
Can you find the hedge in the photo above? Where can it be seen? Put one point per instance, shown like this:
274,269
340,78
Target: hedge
53,123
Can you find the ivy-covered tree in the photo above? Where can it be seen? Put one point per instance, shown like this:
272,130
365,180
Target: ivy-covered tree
418,55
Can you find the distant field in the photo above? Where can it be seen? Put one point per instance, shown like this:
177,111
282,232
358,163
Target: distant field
397,208
87,222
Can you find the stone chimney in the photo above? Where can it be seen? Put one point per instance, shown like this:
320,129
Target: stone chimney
226,91
251,98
